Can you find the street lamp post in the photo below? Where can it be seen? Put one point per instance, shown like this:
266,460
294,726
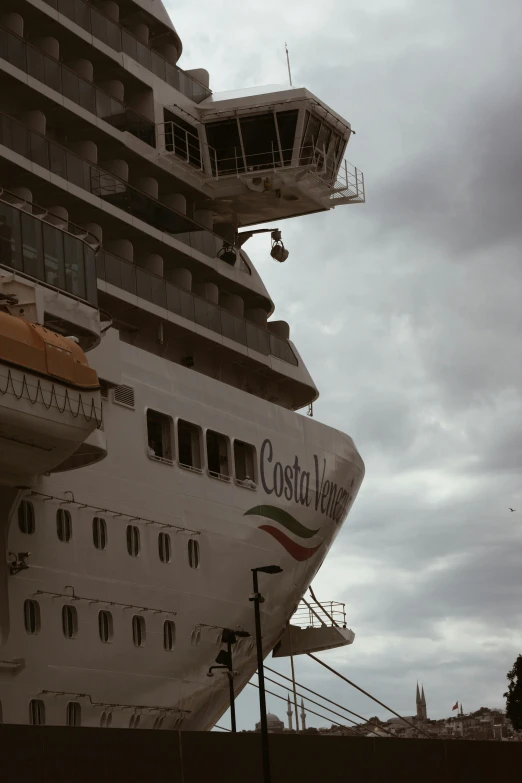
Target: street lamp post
257,598
224,661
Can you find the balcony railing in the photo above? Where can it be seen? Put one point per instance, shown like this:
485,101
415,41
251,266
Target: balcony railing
118,38
101,183
161,292
58,77
59,257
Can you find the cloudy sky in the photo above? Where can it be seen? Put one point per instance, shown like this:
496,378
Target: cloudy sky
408,313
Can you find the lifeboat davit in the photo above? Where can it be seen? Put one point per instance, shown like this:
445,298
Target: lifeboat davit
50,401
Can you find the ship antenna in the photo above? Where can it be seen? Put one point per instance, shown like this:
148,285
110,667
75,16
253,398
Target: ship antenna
288,63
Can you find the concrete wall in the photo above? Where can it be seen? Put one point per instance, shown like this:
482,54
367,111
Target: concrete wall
62,755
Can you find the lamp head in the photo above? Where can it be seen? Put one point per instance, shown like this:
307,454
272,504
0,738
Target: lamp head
271,569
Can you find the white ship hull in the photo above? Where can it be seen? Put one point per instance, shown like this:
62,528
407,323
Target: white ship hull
317,479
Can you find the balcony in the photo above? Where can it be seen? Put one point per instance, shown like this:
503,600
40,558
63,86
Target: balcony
139,282
58,77
80,172
61,258
121,40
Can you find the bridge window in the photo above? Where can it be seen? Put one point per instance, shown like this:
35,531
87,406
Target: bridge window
164,547
133,540
74,714
36,712
193,553
64,525
105,626
226,155
159,436
138,630
69,621
32,616
99,532
169,634
26,517
217,454
245,463
189,450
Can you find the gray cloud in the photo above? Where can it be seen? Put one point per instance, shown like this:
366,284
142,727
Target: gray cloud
407,312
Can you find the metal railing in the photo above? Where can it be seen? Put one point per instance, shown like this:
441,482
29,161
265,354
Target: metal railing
178,141
51,72
314,614
61,257
79,171
155,289
118,38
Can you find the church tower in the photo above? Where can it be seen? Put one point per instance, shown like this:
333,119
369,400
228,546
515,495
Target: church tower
423,705
419,704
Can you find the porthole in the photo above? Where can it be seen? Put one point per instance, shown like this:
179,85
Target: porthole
99,532
105,626
64,525
138,630
69,621
133,540
74,714
36,712
193,553
164,547
169,634
26,517
32,616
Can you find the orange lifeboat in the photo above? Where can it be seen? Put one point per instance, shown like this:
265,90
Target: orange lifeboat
50,400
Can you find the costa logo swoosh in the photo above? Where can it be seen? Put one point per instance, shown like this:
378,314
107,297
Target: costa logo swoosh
285,519
297,551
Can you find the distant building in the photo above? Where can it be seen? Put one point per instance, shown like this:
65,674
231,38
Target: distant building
275,725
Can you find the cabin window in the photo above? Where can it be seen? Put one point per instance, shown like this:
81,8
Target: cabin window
169,634
134,722
164,547
193,553
74,714
159,436
26,517
217,455
158,723
105,626
36,712
138,630
133,540
32,616
106,720
99,532
64,525
245,463
189,450
69,621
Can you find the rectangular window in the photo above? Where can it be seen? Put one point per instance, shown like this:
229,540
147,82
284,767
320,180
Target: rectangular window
189,445
287,124
245,464
36,712
260,141
53,256
226,154
217,455
159,436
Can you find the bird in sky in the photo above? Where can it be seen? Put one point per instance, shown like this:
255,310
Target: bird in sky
512,509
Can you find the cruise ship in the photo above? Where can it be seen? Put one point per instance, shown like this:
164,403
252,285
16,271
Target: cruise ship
154,442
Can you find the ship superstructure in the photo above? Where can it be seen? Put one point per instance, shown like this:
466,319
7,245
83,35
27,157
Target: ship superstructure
150,450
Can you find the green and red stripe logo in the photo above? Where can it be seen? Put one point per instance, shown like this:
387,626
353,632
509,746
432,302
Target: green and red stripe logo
290,523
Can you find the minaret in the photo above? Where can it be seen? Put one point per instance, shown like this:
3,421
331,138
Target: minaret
423,705
290,715
303,716
419,703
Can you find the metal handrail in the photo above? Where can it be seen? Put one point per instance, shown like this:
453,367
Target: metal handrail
156,61
155,289
145,130
322,615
